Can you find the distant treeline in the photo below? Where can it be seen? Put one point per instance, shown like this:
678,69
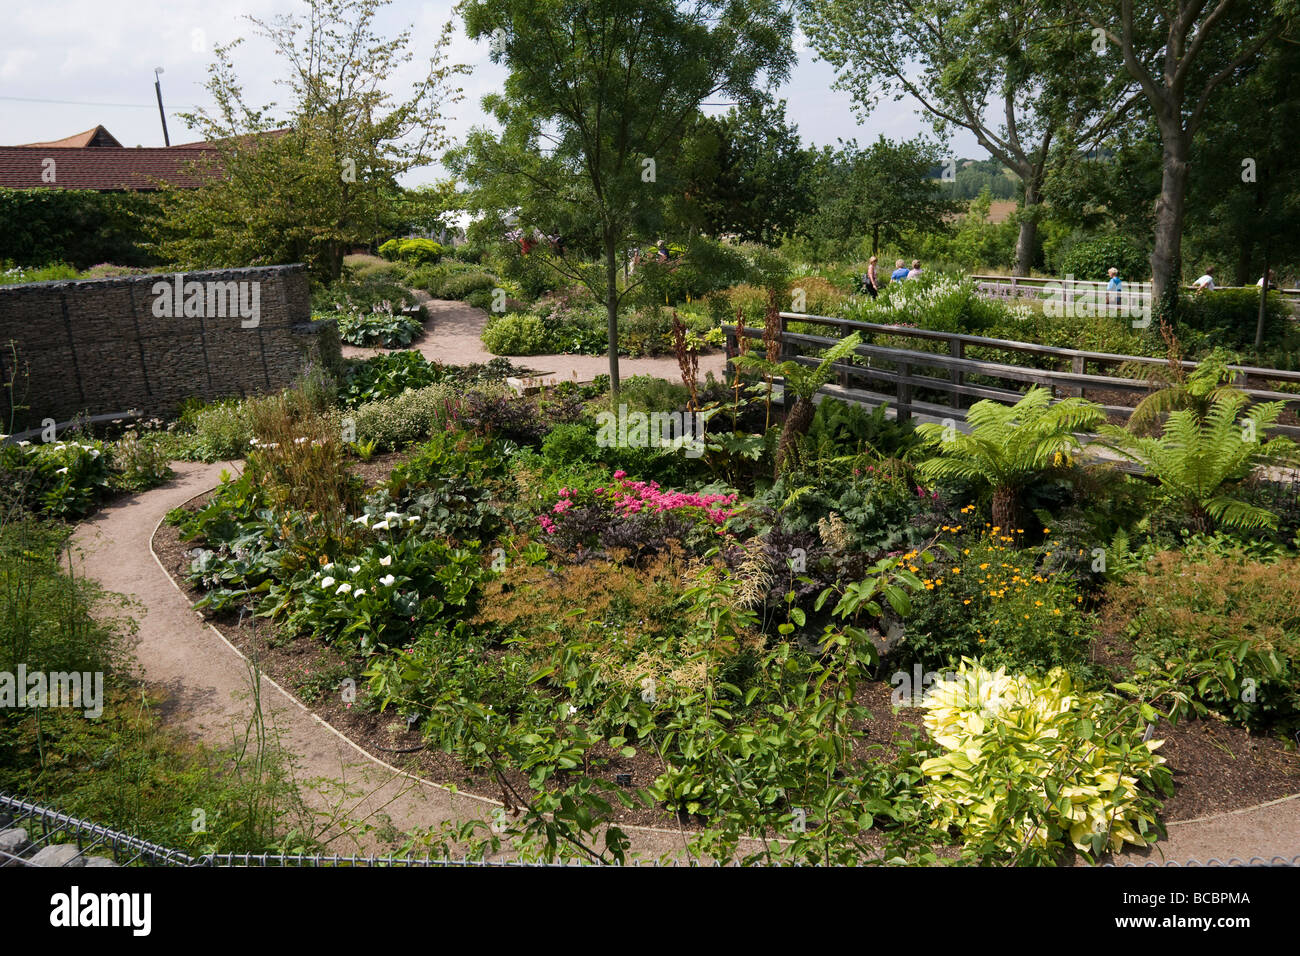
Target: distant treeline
975,175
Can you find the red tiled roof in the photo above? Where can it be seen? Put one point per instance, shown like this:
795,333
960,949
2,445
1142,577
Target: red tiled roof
100,167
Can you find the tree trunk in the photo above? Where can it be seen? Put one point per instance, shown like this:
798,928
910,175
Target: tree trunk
1166,259
611,310
797,422
1263,304
1004,509
875,239
1028,238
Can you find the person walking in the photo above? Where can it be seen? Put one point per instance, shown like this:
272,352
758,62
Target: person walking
1114,287
915,271
870,284
899,273
1206,282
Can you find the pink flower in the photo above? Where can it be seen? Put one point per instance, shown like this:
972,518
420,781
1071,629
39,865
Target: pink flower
620,474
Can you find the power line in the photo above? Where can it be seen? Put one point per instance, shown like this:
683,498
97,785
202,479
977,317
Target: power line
28,99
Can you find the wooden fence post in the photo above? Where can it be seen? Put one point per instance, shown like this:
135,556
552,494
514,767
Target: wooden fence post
957,349
904,410
1077,366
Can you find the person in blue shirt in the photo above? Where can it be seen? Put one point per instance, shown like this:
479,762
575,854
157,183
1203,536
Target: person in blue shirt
900,271
1114,286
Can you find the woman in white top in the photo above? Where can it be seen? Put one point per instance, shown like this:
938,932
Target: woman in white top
1205,282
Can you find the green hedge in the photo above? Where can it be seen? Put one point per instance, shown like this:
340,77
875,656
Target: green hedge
416,251
79,226
1228,317
1090,258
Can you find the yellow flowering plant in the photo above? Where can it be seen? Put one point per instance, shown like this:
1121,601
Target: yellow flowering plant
987,595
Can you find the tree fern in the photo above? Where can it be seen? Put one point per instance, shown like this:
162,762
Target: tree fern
803,382
1198,458
1175,389
1009,446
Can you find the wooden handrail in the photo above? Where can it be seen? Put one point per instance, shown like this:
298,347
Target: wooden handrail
1011,345
1039,281
952,367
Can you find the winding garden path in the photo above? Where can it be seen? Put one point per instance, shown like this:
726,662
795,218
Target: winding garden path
453,336
208,682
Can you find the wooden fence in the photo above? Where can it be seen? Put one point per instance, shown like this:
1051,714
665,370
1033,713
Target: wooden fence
957,369
1135,296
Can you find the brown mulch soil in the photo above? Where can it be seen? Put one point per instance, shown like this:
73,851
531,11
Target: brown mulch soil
1216,766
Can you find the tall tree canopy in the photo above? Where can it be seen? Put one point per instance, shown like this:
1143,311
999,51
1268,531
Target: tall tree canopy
1020,75
1244,193
882,191
328,179
747,174
1181,54
597,99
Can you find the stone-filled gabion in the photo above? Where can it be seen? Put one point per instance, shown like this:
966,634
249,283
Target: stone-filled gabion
96,345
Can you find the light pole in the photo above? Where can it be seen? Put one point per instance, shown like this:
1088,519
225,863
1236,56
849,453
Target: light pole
157,88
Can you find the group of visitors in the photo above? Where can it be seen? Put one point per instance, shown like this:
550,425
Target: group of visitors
1206,282
871,282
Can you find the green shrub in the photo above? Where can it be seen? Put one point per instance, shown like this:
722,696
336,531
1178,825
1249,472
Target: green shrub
433,278
417,251
531,274
366,293
79,226
460,285
12,275
1225,630
411,416
935,300
386,376
221,431
386,328
576,330
1089,259
139,462
649,393
519,334
569,444
1005,604
841,428
62,479
1228,317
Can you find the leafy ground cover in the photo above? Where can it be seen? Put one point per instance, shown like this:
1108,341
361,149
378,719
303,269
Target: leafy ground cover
845,652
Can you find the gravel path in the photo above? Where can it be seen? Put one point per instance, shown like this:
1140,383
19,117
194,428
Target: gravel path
453,336
208,682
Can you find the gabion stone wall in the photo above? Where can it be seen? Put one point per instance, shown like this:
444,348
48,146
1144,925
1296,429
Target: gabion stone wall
98,346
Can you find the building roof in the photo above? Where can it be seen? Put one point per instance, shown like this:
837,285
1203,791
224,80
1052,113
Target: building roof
97,137
105,168
96,160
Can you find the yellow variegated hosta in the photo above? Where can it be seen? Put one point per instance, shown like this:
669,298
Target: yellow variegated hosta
1013,733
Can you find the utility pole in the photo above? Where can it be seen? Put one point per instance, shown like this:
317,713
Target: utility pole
157,88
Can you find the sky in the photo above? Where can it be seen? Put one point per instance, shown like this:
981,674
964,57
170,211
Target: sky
69,65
